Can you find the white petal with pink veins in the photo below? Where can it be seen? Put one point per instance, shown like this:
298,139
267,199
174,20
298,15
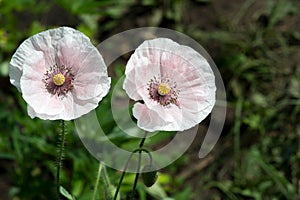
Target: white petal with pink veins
60,73
187,79
90,85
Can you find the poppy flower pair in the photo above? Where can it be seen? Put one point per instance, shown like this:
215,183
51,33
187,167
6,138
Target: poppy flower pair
61,75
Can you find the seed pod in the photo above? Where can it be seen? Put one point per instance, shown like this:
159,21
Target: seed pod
149,175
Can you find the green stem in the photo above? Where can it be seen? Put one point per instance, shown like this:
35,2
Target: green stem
97,180
119,185
60,157
122,176
105,177
126,165
138,167
107,185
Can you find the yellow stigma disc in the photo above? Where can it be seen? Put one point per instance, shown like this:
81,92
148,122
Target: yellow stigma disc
163,89
59,79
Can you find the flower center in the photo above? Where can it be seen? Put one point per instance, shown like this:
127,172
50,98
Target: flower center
59,79
163,89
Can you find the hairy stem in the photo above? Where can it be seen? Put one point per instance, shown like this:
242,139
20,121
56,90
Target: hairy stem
60,156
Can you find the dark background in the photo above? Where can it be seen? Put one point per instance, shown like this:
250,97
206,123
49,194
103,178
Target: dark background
255,45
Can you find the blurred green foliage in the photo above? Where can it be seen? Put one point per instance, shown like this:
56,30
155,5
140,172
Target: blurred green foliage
254,43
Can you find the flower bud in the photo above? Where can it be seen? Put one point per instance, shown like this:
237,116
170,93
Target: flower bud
149,175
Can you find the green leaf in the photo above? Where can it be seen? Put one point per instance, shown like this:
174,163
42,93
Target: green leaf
185,194
157,191
280,9
66,194
282,183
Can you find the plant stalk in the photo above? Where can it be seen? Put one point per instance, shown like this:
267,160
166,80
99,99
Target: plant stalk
97,180
60,157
